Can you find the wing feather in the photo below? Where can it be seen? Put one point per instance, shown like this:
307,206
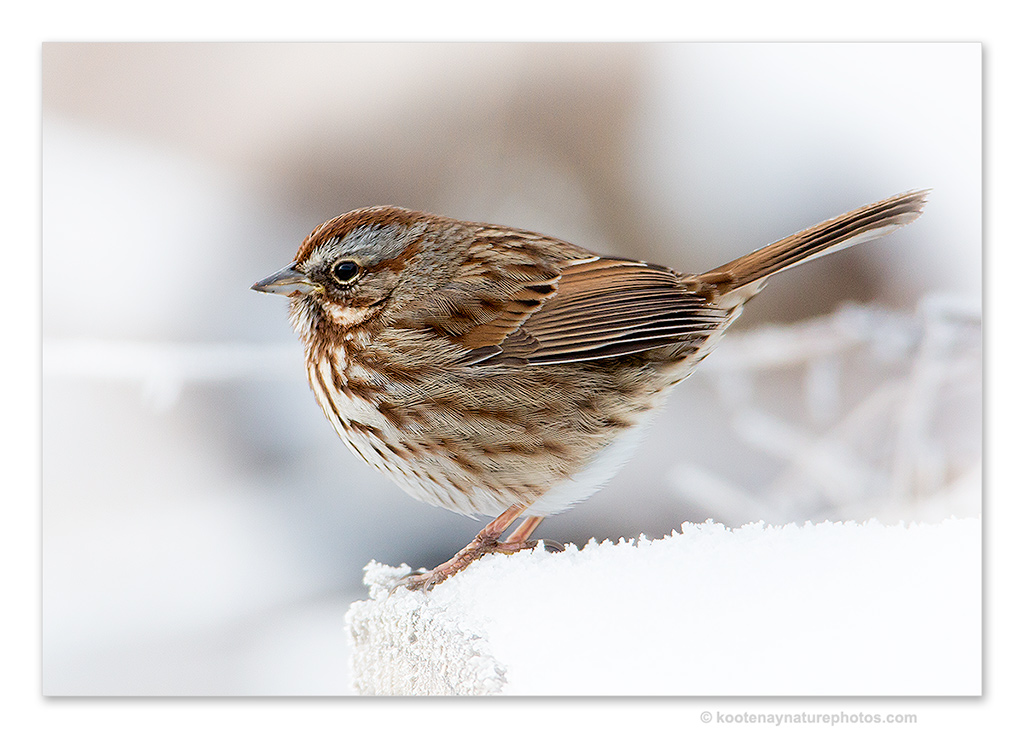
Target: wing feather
602,308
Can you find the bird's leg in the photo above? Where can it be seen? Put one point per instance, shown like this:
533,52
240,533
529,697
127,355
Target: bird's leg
520,537
525,529
486,541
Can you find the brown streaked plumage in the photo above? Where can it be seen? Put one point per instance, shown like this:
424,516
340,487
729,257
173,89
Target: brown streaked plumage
500,372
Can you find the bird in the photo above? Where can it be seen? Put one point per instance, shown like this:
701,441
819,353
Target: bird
500,372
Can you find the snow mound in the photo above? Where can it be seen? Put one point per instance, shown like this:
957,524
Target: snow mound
825,609
408,648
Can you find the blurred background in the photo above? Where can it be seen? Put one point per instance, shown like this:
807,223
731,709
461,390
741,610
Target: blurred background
204,529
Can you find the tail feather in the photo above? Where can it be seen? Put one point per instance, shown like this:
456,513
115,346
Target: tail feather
857,226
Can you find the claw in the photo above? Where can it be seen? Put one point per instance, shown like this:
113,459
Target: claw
413,580
425,579
552,546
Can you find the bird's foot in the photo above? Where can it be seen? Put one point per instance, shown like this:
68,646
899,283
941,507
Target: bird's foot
427,579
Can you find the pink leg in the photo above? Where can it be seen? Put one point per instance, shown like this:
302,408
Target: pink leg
525,529
486,541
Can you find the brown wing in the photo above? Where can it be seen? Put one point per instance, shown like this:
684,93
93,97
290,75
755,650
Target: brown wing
601,308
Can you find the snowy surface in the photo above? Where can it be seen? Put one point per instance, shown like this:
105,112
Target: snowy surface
825,609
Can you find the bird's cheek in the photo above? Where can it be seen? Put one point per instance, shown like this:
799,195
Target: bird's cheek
346,314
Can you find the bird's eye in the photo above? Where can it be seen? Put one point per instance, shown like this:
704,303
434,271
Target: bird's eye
345,271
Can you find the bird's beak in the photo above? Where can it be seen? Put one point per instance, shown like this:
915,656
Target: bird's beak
288,281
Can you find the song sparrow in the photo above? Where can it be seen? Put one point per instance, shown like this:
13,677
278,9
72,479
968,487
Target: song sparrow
496,371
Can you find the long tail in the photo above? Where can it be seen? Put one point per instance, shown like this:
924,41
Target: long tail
857,226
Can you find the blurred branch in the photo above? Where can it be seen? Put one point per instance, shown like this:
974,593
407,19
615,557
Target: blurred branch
142,360
163,368
865,410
